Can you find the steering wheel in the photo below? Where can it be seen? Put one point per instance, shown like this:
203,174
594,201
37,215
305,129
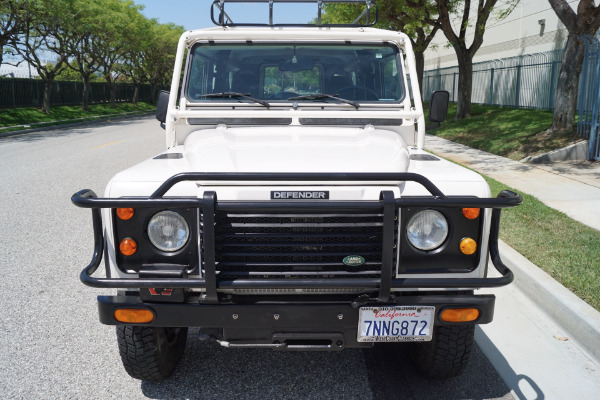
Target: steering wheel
282,95
357,93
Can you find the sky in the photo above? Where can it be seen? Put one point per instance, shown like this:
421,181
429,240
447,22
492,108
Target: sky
195,14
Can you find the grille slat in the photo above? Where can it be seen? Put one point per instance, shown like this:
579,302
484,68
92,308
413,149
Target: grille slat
305,225
271,244
290,244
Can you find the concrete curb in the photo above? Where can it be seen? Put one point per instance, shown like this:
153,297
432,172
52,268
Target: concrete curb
577,317
575,152
72,124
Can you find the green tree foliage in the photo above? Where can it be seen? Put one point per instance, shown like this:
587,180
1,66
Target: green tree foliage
47,25
92,38
13,15
122,27
159,56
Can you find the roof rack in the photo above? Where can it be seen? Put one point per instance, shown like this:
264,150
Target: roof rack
369,14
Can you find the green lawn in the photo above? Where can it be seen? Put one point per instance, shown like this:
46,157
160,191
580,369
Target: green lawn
9,117
508,132
566,249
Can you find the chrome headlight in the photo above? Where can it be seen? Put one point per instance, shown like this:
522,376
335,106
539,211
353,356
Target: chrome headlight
168,231
427,230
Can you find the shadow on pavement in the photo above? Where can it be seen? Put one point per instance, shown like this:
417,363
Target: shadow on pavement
392,376
209,371
70,129
523,386
384,372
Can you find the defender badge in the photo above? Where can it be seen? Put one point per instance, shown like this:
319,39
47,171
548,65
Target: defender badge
353,261
314,195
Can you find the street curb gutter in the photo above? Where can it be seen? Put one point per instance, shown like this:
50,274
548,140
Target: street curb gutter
577,317
70,125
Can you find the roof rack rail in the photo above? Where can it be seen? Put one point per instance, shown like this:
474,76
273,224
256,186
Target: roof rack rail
369,14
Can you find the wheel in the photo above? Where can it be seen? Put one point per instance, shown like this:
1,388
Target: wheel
357,93
150,353
446,355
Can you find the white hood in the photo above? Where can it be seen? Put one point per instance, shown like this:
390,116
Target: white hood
296,149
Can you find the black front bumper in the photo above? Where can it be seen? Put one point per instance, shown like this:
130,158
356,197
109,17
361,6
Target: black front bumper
387,205
284,326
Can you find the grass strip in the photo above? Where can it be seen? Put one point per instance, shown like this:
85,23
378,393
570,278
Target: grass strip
14,119
508,132
566,249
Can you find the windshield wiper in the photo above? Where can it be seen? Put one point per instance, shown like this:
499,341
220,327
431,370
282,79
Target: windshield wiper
325,96
234,95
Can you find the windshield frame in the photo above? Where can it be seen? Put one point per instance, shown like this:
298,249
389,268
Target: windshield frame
400,75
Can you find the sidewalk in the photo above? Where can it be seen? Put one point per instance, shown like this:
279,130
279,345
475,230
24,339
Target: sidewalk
570,187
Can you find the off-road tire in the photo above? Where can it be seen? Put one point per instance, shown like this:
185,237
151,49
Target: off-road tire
150,353
447,353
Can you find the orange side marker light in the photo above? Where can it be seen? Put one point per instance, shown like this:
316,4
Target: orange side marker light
125,213
128,246
471,213
134,315
460,314
468,246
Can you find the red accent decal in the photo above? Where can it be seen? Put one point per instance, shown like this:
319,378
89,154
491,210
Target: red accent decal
164,292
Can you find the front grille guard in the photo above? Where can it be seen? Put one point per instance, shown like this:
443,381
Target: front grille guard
209,205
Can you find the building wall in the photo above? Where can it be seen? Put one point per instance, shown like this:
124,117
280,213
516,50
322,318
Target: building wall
532,27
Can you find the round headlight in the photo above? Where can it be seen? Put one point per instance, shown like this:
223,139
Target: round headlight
427,230
168,231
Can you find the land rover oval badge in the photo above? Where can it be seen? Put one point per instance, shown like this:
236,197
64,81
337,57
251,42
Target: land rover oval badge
352,261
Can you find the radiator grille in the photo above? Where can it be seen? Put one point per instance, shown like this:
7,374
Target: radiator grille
295,245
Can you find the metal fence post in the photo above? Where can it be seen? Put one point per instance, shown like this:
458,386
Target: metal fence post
454,88
490,102
594,138
552,85
518,91
13,92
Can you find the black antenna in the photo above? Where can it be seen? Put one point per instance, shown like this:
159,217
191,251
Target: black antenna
223,19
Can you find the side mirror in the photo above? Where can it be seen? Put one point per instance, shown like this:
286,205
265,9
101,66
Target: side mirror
161,107
438,107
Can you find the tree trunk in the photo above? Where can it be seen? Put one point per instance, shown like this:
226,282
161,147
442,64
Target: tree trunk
420,64
153,91
47,95
136,93
113,92
465,83
85,101
565,103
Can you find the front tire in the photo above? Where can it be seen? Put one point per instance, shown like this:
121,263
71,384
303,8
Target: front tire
447,353
150,353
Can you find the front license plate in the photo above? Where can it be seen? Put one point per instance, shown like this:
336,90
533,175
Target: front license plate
395,324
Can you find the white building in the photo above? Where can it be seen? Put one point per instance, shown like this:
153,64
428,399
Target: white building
532,27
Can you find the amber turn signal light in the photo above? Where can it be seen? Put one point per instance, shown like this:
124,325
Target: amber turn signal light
471,213
468,246
125,213
128,246
134,315
459,314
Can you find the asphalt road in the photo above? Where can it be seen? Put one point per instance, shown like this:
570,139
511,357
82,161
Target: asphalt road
52,345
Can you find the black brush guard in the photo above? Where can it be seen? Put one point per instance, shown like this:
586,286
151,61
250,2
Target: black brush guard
387,204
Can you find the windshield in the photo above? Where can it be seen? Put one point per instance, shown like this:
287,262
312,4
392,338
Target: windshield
361,73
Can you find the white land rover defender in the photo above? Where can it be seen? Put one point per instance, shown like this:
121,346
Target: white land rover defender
295,207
